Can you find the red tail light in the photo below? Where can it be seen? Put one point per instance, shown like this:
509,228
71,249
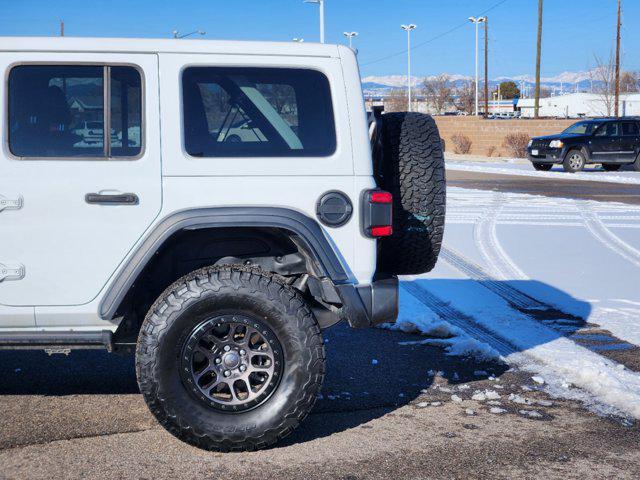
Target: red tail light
377,212
381,197
385,231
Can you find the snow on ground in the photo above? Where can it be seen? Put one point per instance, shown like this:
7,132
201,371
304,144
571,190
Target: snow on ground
506,255
415,317
517,167
565,252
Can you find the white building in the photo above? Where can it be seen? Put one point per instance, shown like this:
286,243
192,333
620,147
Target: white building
576,105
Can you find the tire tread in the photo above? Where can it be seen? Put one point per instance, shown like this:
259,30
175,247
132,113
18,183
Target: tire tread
193,286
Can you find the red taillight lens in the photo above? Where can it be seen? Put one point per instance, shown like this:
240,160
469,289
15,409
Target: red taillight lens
383,231
377,213
381,197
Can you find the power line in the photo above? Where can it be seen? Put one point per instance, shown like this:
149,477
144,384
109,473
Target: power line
432,39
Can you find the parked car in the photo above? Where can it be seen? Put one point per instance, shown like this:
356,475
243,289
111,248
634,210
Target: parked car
216,260
91,132
612,142
241,131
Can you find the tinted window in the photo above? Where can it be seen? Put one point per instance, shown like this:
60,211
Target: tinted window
581,128
238,112
59,111
610,129
630,129
126,114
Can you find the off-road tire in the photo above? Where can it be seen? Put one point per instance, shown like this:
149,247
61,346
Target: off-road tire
611,167
185,305
574,161
409,164
543,167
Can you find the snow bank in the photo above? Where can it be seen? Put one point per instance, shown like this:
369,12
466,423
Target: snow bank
527,170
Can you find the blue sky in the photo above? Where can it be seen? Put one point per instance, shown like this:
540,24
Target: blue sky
574,30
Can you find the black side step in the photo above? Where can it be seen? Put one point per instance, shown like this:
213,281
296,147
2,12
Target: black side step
56,342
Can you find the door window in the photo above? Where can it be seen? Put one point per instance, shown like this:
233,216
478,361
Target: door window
58,111
630,129
610,129
257,112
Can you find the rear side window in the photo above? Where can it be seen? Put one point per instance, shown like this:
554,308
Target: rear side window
59,111
610,129
630,129
257,112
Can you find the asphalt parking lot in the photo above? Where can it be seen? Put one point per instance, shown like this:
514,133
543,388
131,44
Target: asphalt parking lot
390,407
382,413
564,188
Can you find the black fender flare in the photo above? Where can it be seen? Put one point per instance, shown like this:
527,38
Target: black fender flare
305,228
583,148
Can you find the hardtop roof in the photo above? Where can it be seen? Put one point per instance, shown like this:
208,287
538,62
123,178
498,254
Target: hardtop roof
608,119
160,45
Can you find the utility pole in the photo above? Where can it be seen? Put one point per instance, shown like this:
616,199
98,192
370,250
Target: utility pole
486,66
536,105
408,29
617,96
477,22
62,28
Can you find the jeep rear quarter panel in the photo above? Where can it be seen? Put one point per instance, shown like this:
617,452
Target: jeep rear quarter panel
173,181
290,182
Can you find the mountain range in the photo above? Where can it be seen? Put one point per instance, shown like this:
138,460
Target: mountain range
565,82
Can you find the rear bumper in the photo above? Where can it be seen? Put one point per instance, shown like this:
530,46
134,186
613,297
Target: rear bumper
370,305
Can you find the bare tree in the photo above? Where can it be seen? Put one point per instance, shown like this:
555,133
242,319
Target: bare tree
604,77
439,92
629,82
465,97
396,101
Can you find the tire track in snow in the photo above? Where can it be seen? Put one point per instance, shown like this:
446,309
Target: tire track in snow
475,272
455,317
566,324
601,232
556,357
486,238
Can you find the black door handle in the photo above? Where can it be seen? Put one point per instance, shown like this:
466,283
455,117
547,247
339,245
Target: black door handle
112,199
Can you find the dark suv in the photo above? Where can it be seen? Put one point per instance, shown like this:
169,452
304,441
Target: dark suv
612,142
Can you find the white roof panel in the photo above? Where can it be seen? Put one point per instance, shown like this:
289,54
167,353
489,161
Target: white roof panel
158,45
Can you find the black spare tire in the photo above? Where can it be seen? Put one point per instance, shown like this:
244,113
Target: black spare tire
409,163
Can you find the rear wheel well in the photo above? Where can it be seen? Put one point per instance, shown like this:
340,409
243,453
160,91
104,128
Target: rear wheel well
271,249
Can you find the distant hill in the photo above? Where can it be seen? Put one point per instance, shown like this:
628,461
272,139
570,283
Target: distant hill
565,82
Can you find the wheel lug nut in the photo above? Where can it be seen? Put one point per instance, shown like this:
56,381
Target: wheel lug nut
243,368
227,348
218,361
243,352
226,373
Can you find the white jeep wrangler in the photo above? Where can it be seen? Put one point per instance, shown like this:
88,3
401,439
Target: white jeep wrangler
217,258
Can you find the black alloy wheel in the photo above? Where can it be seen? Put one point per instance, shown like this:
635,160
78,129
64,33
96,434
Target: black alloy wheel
232,362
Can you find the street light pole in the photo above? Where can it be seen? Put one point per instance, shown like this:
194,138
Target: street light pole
321,7
408,29
477,22
350,36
